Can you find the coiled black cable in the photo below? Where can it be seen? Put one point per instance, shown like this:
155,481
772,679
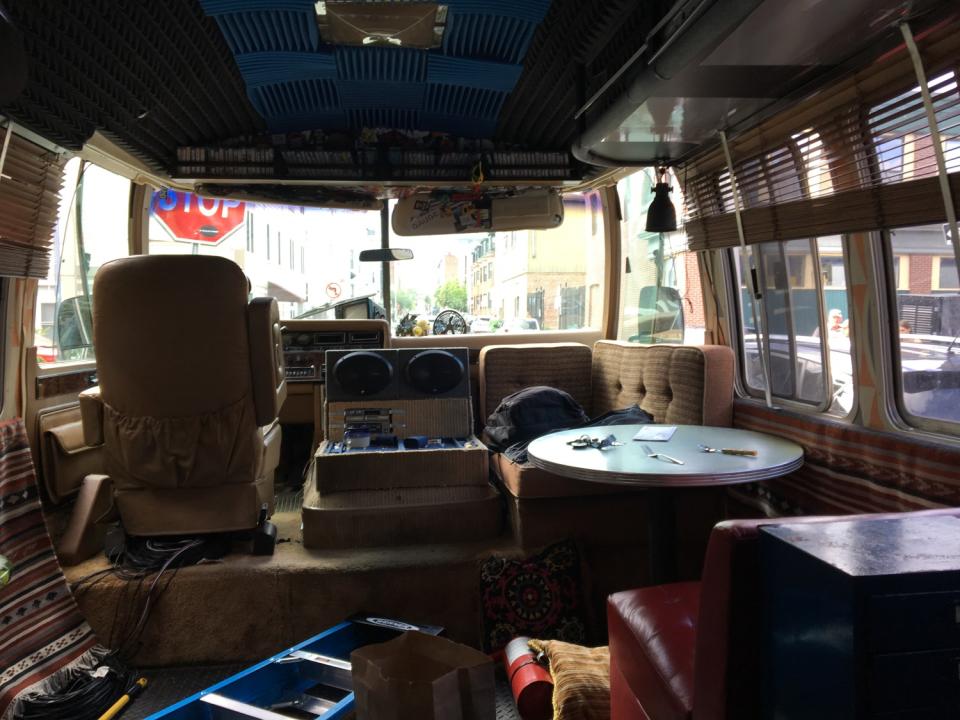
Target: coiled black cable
87,694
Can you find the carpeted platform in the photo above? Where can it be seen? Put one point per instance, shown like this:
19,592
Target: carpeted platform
245,608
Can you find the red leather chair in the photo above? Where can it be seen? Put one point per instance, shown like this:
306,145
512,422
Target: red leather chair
693,650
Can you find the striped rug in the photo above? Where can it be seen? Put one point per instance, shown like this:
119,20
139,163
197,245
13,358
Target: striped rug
848,469
41,629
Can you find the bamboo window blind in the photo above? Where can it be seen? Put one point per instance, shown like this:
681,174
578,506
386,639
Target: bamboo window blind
857,156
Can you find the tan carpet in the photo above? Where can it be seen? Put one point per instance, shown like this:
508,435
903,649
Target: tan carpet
245,608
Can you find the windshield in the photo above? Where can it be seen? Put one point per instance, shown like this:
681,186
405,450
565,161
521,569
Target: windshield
307,258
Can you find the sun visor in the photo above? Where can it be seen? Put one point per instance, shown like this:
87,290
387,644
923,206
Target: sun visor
449,213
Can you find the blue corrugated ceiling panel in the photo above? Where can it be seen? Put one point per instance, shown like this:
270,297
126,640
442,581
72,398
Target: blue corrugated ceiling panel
445,70
458,88
530,10
263,68
264,31
356,94
488,37
296,97
381,63
464,102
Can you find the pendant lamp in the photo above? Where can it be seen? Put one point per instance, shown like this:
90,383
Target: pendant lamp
661,215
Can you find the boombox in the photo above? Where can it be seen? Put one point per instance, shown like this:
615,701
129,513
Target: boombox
405,392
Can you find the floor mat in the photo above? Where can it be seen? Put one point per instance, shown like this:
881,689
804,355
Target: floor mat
170,685
167,686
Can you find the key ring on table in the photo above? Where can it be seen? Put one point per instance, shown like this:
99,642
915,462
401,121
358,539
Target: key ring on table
585,441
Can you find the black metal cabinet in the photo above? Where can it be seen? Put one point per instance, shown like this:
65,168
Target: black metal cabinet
862,619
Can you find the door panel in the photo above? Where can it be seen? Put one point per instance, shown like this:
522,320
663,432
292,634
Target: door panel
52,416
65,457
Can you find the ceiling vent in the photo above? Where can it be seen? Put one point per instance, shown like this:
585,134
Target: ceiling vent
397,23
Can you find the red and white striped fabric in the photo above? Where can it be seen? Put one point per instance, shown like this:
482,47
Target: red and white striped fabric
42,633
848,469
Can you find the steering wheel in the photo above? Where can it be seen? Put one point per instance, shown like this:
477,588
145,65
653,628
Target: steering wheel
449,322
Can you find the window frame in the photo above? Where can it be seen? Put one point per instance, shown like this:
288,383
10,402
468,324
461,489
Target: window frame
901,275
935,275
74,205
741,384
890,356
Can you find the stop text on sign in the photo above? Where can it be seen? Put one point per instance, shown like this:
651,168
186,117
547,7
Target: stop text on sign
190,218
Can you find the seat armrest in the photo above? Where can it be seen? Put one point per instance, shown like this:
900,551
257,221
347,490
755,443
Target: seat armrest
91,416
266,359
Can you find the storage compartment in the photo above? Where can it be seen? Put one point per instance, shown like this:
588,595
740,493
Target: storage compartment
364,497
445,463
400,516
914,621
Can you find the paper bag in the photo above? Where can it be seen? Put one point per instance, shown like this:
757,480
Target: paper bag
424,677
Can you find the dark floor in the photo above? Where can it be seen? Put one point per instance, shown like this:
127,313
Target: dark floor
170,685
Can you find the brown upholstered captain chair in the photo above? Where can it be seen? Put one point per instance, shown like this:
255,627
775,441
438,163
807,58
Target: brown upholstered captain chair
191,382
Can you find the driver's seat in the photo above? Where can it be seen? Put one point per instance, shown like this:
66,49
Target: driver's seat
191,382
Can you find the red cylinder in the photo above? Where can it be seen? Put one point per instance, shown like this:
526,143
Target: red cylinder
530,682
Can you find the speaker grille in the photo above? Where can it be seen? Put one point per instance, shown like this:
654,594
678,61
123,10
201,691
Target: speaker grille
434,372
363,373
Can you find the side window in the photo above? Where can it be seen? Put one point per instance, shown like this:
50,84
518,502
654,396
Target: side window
927,337
504,282
797,335
93,228
661,296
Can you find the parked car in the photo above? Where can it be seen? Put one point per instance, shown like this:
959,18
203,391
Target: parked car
520,326
480,324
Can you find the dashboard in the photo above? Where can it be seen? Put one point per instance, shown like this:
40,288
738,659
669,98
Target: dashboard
305,343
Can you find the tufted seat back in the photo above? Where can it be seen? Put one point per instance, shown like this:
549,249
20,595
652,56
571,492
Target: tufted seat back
505,369
677,384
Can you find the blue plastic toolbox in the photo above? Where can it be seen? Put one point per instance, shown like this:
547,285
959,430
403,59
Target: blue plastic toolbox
311,680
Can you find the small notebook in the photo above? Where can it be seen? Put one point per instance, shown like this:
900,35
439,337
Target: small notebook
655,433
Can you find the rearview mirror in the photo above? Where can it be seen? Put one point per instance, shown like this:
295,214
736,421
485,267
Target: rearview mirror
448,213
74,324
659,315
386,255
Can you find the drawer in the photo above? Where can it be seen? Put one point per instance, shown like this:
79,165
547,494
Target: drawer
913,621
913,683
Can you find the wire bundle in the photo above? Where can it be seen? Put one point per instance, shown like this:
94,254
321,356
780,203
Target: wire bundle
87,694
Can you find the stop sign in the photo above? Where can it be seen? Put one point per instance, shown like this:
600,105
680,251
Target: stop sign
191,218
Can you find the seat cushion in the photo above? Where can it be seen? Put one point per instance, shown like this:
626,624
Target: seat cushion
524,480
581,679
652,637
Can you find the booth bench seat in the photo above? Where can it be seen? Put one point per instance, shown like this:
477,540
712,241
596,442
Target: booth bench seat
694,650
682,385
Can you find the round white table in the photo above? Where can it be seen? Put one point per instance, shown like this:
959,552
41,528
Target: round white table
629,465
